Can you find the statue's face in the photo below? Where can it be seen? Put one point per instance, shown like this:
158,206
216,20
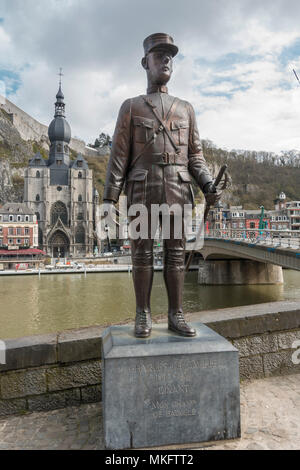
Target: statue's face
159,66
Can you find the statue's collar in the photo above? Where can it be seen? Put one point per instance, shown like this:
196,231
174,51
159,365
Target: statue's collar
157,89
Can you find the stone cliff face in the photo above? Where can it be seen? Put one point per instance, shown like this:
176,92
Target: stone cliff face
14,156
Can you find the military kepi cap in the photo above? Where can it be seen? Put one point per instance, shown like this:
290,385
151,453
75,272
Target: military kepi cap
160,40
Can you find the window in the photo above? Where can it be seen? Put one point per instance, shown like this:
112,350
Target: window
80,175
252,224
19,218
80,216
241,225
10,241
37,216
37,175
0,241
10,231
11,218
234,225
0,229
18,241
79,198
37,197
80,235
26,218
26,231
59,162
19,231
79,164
26,241
0,217
59,210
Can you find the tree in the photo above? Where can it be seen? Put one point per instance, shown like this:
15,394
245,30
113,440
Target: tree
104,140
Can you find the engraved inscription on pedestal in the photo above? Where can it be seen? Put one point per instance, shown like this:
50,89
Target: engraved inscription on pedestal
169,390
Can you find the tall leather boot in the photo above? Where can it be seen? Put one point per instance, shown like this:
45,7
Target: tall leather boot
142,280
174,280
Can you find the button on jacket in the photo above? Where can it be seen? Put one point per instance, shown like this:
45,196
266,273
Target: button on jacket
153,169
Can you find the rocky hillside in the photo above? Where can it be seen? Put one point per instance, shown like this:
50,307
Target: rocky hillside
14,155
257,177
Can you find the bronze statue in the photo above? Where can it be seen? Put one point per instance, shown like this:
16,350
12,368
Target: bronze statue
156,150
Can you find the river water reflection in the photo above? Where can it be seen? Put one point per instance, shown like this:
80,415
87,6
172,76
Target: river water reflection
32,305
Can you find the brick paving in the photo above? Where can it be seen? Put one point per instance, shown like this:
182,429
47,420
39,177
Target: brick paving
270,413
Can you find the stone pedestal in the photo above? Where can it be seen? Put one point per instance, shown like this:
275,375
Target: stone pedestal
168,389
236,272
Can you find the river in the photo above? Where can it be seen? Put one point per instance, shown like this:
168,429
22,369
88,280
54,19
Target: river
31,305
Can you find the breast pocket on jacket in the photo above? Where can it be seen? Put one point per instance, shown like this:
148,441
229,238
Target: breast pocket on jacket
180,132
186,187
136,186
143,129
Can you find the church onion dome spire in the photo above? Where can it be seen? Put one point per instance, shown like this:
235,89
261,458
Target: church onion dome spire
60,96
59,129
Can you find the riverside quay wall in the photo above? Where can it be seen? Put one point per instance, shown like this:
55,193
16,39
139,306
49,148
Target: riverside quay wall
57,370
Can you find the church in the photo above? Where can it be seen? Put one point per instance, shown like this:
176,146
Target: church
60,192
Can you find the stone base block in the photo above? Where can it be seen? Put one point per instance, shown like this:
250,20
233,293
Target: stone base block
168,389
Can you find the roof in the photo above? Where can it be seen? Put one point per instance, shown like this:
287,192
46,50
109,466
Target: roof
82,166
25,251
59,130
37,160
16,208
60,95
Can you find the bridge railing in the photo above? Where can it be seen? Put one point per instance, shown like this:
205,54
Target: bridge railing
276,238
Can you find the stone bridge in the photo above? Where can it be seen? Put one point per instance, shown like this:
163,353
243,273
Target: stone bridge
255,260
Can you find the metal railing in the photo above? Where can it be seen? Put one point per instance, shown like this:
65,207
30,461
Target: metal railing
276,238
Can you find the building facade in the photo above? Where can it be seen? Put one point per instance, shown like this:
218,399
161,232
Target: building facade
18,227
60,193
284,217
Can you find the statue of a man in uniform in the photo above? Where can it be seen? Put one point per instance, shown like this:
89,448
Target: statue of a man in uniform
155,151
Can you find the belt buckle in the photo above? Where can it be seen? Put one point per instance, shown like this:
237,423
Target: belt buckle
166,158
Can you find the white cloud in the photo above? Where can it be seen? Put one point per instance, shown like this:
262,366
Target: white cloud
230,67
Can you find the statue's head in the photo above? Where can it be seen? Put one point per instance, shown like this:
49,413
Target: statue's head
158,60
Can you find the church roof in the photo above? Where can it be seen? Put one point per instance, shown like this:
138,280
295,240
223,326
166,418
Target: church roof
79,163
37,161
59,130
60,95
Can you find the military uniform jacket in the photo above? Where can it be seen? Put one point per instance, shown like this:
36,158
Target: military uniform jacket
144,159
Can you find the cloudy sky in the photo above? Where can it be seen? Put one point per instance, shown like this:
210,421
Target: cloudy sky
235,63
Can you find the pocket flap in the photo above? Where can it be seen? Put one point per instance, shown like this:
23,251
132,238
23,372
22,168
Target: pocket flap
137,175
175,125
185,176
143,122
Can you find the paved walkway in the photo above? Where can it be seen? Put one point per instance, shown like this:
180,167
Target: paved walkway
270,410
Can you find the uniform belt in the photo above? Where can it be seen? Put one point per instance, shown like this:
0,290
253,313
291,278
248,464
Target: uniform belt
165,158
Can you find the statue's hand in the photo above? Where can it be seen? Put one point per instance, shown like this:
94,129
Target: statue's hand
108,208
212,194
